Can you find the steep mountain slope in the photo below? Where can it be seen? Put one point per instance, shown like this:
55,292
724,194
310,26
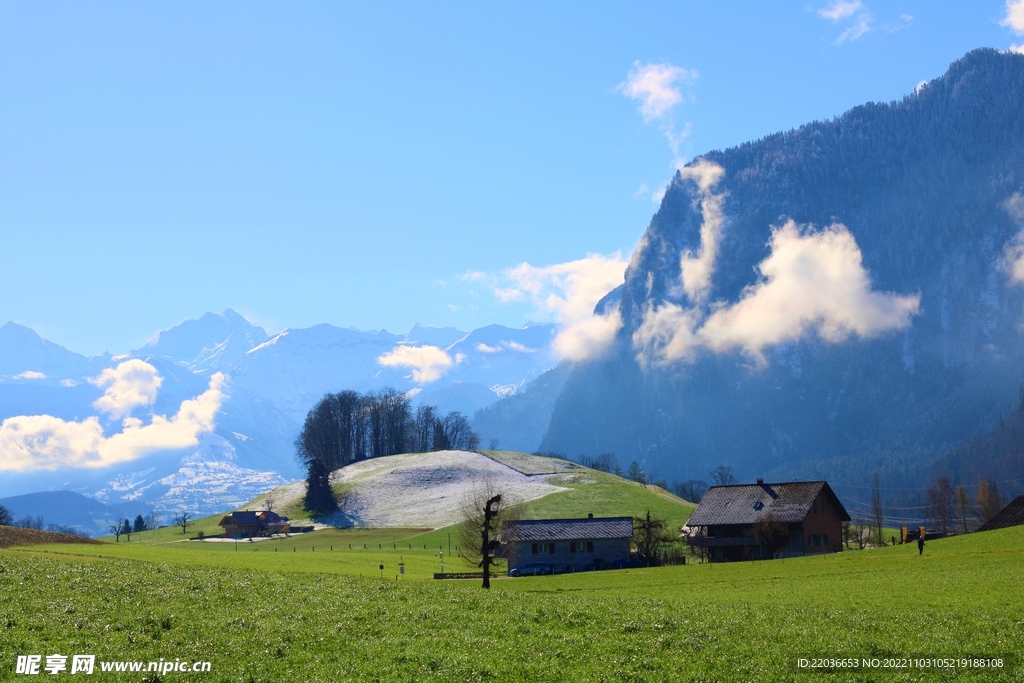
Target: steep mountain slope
926,188
995,455
518,421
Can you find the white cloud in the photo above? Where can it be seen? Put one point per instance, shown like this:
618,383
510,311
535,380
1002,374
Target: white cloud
697,269
131,384
569,292
655,86
428,363
505,345
68,383
813,283
838,10
1017,49
860,27
519,348
30,374
667,335
1012,261
44,442
1014,19
588,338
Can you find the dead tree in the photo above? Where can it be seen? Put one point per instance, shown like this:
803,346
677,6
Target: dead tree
942,505
488,546
648,535
876,510
184,520
116,530
693,537
771,533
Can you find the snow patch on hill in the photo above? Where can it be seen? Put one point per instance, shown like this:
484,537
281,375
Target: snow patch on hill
422,490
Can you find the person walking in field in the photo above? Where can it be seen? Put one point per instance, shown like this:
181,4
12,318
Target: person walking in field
920,545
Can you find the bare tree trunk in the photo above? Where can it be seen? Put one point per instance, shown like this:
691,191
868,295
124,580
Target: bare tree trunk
488,546
876,509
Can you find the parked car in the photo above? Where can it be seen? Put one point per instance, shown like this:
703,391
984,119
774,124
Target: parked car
532,569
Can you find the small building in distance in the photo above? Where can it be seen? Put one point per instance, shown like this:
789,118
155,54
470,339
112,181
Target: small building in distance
723,523
251,523
568,545
1011,515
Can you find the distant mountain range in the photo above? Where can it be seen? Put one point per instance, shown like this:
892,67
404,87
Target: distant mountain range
271,383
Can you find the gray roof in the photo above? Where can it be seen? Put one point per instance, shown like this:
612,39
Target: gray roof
590,528
1011,515
750,503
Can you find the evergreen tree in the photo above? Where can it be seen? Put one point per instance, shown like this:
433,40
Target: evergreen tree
319,496
635,473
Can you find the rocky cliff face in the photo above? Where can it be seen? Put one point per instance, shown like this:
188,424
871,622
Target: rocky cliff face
832,299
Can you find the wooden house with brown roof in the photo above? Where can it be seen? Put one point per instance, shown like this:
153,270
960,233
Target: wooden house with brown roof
724,521
249,524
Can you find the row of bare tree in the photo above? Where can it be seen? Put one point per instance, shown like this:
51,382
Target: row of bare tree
348,426
953,509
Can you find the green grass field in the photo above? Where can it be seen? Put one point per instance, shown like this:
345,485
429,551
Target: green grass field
307,615
316,607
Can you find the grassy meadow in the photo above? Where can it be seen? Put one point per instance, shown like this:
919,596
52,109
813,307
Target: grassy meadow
307,615
316,607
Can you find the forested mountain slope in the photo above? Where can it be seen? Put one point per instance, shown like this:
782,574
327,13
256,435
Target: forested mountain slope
897,332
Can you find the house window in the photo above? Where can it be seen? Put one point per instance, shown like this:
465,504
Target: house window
543,548
818,539
581,547
534,548
551,548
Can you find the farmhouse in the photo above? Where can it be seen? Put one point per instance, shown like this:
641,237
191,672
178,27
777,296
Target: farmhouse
246,524
568,544
1011,515
724,521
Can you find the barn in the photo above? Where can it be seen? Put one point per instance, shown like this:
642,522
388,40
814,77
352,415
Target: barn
723,524
1011,515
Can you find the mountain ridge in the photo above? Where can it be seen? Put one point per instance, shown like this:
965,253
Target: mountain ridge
921,187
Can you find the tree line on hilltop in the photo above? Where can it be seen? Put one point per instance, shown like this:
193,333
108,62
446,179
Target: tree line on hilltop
346,427
37,523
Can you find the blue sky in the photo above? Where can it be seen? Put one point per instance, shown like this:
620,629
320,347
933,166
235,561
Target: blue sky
377,165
